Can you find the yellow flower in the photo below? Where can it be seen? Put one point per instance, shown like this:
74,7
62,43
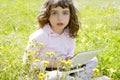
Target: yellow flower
29,51
45,62
41,76
96,72
40,44
32,45
69,62
36,52
32,59
37,60
48,53
63,61
79,65
63,75
66,62
47,75
52,53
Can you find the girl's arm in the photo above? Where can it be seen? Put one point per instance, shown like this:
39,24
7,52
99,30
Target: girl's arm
34,46
90,65
30,50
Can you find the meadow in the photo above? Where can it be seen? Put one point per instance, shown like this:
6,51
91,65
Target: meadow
100,30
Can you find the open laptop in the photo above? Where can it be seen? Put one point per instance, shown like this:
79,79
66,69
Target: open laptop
82,58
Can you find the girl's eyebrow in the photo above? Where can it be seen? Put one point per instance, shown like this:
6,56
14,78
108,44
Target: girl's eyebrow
66,10
53,10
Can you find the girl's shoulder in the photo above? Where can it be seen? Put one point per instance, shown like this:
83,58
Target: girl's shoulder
39,34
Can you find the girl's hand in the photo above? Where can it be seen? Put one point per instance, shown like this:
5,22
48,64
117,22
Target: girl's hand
67,58
53,64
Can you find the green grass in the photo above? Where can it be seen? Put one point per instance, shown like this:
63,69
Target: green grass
100,30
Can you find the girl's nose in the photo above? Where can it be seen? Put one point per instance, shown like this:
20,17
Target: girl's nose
60,17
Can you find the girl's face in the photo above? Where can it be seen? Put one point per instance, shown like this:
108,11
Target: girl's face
59,18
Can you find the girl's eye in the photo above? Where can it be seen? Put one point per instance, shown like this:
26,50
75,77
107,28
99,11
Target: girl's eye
66,13
54,13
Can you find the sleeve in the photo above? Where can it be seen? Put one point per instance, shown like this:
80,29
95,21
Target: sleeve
35,44
88,72
91,65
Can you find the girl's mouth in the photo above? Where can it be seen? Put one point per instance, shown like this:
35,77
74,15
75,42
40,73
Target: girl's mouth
60,24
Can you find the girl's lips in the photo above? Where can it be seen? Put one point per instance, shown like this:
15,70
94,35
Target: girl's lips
60,24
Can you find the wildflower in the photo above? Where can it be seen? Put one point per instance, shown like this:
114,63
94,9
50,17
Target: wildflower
36,52
29,51
52,53
45,62
66,62
41,76
37,60
32,59
32,45
40,44
79,65
48,53
63,61
47,75
63,75
96,72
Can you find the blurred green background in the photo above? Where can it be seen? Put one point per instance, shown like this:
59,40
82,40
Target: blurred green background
100,30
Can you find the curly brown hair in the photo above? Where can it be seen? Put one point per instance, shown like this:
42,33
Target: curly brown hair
73,24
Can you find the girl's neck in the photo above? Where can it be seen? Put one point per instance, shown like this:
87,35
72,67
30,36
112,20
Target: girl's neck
58,31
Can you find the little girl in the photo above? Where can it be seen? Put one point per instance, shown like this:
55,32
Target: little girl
59,27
